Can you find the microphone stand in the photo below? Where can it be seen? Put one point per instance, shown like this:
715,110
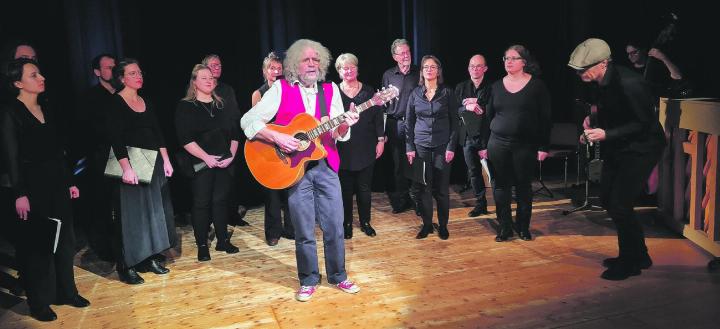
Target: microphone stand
586,204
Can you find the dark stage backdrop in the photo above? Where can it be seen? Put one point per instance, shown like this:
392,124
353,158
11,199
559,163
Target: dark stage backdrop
168,38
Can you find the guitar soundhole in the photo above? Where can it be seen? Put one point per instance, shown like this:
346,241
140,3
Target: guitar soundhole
304,141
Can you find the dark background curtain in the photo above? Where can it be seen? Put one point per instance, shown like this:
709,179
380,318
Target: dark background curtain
168,38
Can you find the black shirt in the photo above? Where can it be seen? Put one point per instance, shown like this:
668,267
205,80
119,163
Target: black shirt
93,118
522,117
405,84
466,89
263,89
26,142
126,127
626,113
213,133
227,93
359,151
431,123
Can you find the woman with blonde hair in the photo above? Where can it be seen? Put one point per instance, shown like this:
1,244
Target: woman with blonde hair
206,131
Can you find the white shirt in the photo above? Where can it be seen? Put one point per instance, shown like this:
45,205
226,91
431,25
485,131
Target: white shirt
254,120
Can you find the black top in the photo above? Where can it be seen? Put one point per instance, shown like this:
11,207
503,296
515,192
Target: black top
25,143
405,84
205,124
126,127
97,101
227,93
466,89
626,112
359,151
431,123
523,117
263,89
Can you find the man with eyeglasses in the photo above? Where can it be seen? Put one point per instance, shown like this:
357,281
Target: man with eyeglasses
472,95
632,140
405,77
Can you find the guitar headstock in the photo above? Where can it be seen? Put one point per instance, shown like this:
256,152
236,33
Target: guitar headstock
386,94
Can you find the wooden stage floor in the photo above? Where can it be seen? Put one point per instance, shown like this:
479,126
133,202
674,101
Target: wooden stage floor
468,281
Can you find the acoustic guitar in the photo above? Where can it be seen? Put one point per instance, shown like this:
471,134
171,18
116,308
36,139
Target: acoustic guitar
276,169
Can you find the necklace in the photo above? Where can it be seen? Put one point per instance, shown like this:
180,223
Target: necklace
209,110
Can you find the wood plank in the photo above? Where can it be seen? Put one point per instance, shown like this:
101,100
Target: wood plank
468,281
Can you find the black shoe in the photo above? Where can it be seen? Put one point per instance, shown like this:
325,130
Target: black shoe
348,231
404,207
272,242
504,235
242,222
620,271
424,231
477,211
76,301
130,276
241,211
227,247
151,265
644,263
203,253
44,314
525,235
443,232
289,236
367,229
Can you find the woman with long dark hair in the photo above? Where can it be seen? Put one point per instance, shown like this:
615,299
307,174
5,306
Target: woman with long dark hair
431,128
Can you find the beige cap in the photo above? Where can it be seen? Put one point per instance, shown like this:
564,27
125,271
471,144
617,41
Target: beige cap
588,53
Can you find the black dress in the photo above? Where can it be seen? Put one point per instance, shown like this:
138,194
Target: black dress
33,154
357,155
146,213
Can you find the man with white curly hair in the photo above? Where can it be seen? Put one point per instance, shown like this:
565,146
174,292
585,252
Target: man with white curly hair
316,197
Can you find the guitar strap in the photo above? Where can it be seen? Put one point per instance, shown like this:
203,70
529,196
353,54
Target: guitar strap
321,95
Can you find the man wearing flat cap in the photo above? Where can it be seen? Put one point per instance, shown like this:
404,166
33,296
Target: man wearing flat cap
632,140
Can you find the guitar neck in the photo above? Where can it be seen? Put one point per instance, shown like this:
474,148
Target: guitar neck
336,121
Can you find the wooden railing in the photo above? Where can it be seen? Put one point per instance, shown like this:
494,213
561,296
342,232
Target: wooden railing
688,192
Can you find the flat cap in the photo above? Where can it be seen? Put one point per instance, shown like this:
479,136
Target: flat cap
588,53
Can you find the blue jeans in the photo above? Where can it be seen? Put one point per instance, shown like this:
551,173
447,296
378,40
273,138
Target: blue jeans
317,198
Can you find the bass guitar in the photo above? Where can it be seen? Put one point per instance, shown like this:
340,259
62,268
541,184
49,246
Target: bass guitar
276,169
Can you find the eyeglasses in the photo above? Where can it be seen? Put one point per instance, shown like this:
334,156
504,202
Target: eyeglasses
430,67
134,74
215,66
403,54
511,59
479,66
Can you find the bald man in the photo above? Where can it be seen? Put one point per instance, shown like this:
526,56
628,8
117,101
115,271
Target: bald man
472,95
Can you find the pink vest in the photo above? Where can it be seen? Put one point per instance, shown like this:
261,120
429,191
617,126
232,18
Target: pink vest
291,105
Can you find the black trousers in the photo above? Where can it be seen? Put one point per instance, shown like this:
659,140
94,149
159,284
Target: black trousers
472,160
98,192
622,181
438,185
514,164
211,191
276,204
359,183
47,276
402,193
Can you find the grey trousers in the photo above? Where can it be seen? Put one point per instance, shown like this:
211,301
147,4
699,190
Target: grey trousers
317,198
